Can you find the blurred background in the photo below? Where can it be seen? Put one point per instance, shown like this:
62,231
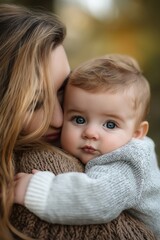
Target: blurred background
97,27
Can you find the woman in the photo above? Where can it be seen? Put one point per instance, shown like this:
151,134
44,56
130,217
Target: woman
33,67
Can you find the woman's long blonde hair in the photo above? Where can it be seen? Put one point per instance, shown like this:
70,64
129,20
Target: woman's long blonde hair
27,38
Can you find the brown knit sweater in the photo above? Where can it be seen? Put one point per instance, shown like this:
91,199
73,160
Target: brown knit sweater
122,228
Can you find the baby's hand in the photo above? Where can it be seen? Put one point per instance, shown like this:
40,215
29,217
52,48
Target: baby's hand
21,184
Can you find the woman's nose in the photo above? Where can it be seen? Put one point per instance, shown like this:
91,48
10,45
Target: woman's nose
57,117
90,132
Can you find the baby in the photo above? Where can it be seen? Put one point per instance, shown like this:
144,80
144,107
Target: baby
106,103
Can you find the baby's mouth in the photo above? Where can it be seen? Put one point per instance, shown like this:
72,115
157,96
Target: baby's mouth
89,149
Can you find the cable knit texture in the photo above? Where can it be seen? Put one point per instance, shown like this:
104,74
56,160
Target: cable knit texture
124,227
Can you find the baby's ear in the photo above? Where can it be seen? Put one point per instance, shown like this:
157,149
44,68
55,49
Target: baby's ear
142,130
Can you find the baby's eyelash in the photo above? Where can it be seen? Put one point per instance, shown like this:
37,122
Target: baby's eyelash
73,117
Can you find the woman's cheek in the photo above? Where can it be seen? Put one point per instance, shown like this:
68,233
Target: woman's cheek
34,123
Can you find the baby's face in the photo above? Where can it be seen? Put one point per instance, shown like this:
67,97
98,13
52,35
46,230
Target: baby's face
96,123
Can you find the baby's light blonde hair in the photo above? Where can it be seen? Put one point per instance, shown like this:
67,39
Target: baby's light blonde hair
113,73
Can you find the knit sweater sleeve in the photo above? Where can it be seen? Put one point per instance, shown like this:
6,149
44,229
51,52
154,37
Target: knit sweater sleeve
112,183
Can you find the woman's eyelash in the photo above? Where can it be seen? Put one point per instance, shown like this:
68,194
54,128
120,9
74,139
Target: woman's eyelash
63,85
38,105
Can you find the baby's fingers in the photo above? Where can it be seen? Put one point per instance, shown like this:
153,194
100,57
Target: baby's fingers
18,176
35,171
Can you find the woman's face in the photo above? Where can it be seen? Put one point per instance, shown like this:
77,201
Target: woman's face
59,70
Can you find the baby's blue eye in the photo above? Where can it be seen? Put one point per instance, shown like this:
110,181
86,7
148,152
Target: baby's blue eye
110,125
79,120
